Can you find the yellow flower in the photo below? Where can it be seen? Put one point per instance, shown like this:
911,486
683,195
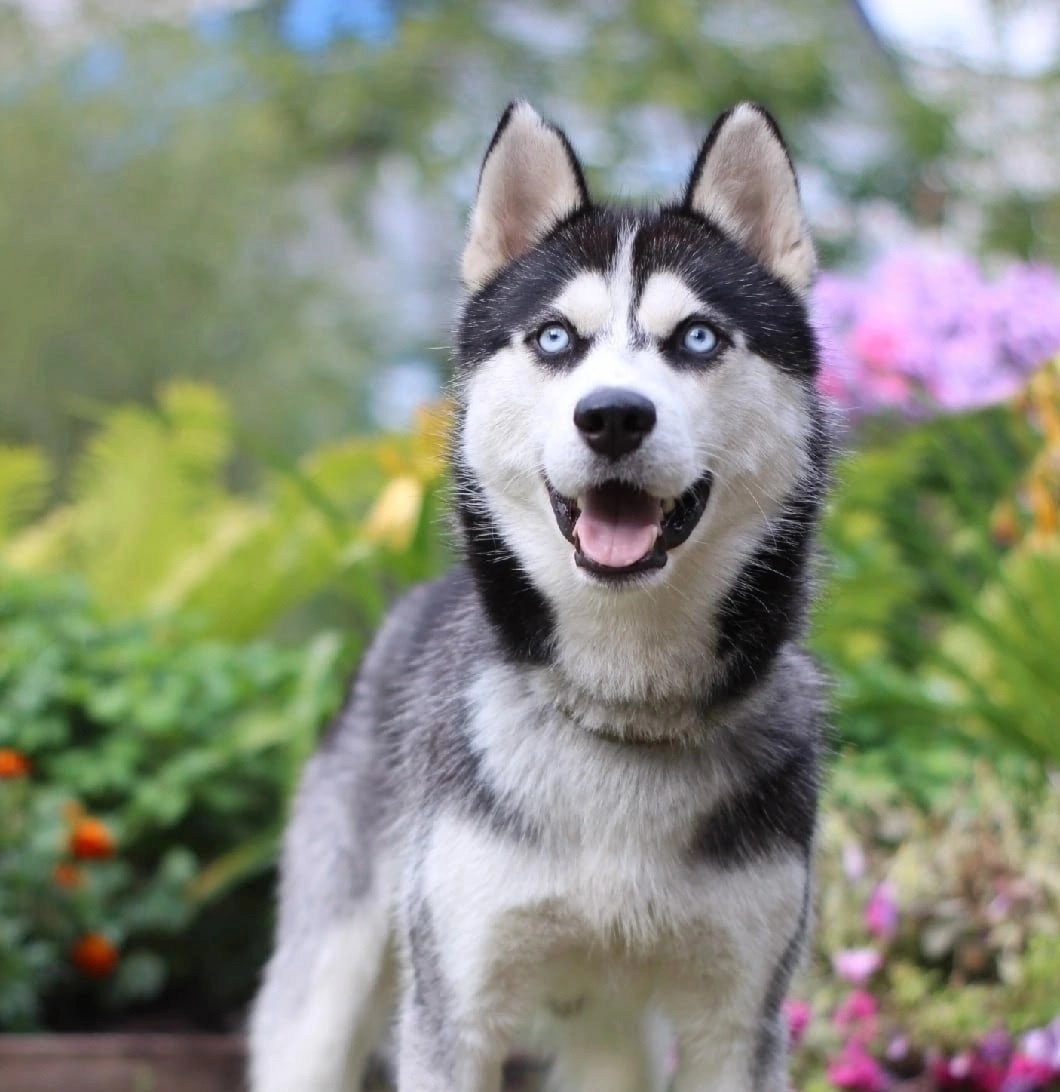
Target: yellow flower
396,514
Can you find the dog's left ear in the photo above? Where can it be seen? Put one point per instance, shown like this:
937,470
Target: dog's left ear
530,180
743,180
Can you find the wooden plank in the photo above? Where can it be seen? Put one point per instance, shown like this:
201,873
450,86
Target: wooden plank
121,1063
151,1062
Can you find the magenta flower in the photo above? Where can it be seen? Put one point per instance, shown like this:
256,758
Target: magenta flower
881,912
857,1070
967,1072
856,965
857,1010
1027,1074
797,1015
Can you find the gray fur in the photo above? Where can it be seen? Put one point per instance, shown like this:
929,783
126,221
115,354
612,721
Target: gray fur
574,818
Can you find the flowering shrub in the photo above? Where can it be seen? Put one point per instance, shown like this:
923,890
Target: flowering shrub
143,774
937,951
147,742
923,332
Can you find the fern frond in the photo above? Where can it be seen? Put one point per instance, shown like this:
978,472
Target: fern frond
25,477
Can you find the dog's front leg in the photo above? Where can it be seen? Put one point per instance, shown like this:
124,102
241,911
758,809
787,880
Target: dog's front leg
462,998
435,1055
726,1005
447,1041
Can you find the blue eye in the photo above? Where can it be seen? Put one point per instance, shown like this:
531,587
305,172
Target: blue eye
699,339
554,339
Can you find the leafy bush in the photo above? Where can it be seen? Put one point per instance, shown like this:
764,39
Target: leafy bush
936,618
152,523
148,768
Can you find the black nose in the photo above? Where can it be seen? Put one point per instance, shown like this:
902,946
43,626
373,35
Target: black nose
614,421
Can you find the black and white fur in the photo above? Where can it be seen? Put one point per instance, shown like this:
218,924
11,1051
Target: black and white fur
564,805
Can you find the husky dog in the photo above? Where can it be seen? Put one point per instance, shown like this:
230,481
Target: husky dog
573,793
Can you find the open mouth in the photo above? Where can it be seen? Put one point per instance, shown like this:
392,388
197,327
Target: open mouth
618,530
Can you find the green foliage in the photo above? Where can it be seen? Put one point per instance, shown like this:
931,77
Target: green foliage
24,479
186,747
152,524
939,636
139,238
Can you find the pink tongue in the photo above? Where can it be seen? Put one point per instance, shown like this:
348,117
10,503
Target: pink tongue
618,525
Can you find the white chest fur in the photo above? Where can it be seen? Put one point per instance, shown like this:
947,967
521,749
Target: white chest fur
605,895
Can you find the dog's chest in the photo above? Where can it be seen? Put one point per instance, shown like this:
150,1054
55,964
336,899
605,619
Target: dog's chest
605,829
576,863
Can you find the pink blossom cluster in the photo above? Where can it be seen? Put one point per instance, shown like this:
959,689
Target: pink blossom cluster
923,332
871,1059
996,1064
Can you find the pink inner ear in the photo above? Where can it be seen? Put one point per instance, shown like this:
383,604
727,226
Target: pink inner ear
747,185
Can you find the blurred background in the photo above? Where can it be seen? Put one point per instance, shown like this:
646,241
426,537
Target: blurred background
229,236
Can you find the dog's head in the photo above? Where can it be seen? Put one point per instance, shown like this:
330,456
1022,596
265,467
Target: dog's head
636,386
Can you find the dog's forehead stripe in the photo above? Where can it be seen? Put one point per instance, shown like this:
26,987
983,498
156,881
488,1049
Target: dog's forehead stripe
623,287
665,301
586,303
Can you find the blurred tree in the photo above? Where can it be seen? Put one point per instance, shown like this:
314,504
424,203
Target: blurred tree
147,232
204,199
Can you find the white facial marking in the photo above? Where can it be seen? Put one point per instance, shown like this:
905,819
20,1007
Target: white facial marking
620,285
665,302
585,303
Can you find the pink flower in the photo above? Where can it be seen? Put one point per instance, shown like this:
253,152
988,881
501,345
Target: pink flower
856,965
877,342
857,1010
797,1014
1026,1074
853,861
924,332
881,912
857,1070
1042,1045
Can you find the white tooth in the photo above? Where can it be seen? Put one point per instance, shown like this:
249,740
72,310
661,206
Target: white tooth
580,503
669,505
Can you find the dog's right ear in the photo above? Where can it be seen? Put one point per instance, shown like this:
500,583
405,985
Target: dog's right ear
530,180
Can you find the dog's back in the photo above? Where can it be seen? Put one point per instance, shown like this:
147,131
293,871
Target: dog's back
573,793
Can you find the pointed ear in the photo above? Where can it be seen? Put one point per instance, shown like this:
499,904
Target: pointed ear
743,180
530,181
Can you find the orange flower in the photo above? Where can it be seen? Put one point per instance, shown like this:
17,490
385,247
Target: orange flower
91,839
67,875
94,955
1004,525
12,764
